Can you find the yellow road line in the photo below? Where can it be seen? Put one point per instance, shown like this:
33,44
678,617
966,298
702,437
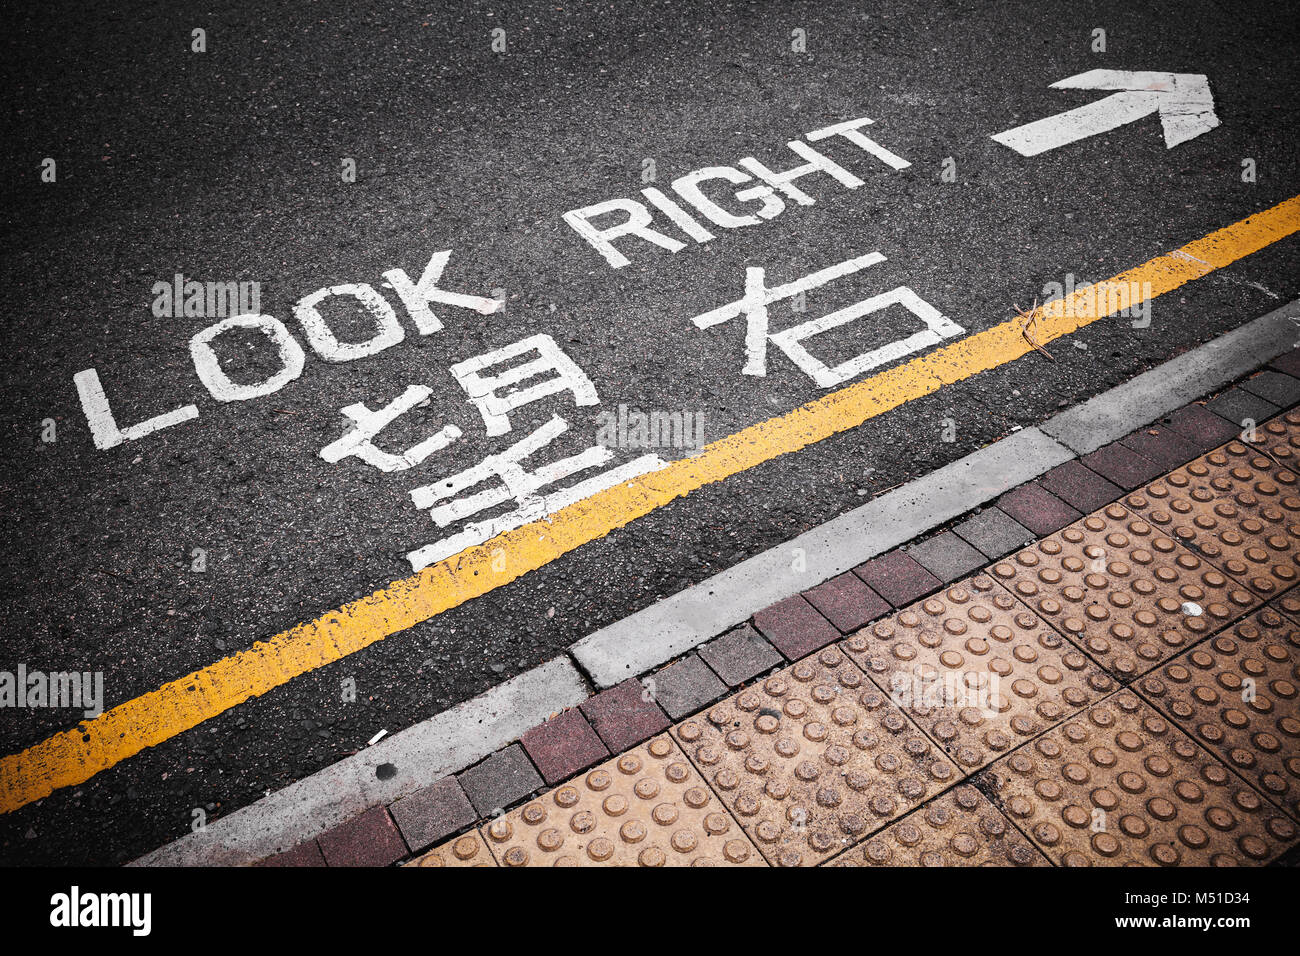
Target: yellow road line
74,756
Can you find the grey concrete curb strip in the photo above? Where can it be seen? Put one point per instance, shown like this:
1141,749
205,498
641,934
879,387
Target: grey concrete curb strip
420,756
674,625
1151,395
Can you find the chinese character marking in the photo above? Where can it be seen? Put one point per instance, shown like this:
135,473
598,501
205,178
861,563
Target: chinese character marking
498,395
359,441
758,296
523,486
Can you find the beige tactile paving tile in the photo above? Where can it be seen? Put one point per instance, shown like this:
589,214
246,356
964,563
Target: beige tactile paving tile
1280,437
977,670
1237,508
465,850
814,758
1288,604
646,807
957,828
1120,785
1239,695
1126,593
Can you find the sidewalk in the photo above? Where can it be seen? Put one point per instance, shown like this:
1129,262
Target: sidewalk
1126,617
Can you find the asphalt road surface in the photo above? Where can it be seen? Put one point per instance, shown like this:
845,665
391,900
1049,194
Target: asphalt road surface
158,556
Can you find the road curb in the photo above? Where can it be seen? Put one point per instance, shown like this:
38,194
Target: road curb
1151,395
427,753
673,626
418,757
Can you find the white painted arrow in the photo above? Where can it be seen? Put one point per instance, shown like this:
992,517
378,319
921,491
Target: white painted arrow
1183,99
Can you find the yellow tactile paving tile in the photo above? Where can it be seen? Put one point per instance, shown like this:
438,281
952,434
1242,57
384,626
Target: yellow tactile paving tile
1239,695
1280,437
1125,592
646,807
957,828
1236,507
1121,785
814,758
465,850
977,670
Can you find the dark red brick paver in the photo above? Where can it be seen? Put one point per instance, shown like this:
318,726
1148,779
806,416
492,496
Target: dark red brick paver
1164,446
1080,487
795,627
304,854
898,578
1037,509
370,839
563,745
846,602
1122,466
1202,427
624,715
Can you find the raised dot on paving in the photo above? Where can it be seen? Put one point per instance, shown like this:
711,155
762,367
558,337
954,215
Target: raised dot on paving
976,670
1238,695
1281,438
647,807
1122,785
466,850
1288,604
1236,507
1128,595
958,828
814,758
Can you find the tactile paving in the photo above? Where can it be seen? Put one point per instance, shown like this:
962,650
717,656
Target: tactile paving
1122,785
1128,595
814,759
646,807
1288,604
466,850
1239,695
1236,507
958,828
976,670
1280,437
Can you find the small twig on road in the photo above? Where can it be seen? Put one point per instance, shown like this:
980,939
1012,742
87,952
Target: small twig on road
1028,319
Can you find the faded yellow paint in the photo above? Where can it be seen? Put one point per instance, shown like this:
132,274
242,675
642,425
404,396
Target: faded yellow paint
73,756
